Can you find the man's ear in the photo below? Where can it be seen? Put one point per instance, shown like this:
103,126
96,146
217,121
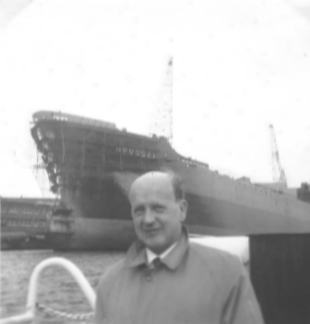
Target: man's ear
183,209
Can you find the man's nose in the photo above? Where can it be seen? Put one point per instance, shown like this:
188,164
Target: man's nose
148,217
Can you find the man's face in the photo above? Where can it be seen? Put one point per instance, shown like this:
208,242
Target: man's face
157,216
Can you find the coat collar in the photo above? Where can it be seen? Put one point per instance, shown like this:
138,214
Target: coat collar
136,255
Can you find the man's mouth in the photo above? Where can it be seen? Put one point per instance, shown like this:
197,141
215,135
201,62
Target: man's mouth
151,231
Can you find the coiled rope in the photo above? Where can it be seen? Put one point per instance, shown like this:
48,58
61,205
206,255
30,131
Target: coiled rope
56,313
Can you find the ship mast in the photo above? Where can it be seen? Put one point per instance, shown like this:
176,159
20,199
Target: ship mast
277,169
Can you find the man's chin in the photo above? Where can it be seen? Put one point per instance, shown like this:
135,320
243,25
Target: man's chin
155,245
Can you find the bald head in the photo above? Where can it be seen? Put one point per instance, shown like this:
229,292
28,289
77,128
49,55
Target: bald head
148,180
164,178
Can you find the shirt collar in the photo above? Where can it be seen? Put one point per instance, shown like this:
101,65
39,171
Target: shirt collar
151,256
137,256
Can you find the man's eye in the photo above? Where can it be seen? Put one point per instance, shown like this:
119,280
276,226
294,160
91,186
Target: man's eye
159,209
139,211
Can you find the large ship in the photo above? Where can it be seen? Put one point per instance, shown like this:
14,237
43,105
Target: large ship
91,165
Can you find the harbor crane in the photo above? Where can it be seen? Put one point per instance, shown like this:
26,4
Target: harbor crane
163,123
277,169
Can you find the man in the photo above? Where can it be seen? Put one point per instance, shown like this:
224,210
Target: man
187,283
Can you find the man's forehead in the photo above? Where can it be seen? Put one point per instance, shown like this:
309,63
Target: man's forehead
152,183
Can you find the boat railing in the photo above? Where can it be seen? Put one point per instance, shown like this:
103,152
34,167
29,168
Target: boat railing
32,304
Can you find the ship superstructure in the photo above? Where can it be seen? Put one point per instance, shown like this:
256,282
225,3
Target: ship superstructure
91,165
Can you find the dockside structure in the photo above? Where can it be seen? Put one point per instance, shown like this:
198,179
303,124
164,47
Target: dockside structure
25,222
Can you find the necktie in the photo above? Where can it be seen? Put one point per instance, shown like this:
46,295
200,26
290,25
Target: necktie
155,263
151,269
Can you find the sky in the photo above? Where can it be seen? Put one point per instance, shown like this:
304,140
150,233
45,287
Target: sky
238,66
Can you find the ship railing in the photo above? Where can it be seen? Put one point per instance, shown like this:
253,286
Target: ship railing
193,163
48,115
32,305
62,218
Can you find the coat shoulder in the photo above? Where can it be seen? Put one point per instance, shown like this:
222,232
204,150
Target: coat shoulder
215,260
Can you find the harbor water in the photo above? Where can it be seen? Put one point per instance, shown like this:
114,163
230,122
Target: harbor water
57,288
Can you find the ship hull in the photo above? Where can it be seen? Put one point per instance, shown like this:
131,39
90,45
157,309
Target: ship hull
95,235
206,216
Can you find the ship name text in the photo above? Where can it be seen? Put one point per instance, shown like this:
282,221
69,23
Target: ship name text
135,152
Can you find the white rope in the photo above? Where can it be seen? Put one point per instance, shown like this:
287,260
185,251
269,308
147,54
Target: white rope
32,304
75,317
74,271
